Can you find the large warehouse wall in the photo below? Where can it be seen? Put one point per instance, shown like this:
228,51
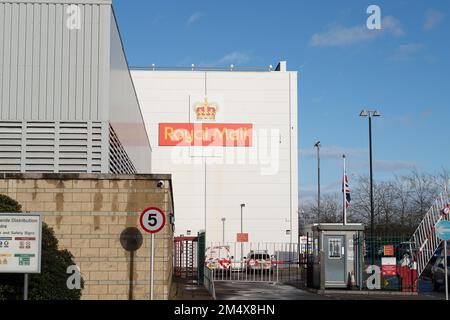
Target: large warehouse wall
268,100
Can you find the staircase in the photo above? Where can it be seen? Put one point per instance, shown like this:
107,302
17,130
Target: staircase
424,240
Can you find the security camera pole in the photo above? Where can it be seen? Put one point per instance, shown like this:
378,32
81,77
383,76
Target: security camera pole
370,114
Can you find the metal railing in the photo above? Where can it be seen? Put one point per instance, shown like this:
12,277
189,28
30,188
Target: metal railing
253,262
424,239
202,68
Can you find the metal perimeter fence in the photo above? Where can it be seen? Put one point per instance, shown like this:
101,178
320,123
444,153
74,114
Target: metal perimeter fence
391,255
252,262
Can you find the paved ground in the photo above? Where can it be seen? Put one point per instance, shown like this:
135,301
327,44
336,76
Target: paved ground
229,290
190,290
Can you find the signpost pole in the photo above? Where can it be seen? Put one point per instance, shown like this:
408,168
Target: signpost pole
152,220
446,270
152,270
443,232
25,287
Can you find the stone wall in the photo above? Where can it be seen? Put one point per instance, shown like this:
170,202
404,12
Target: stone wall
88,213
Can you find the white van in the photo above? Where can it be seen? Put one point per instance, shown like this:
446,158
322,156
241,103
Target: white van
218,257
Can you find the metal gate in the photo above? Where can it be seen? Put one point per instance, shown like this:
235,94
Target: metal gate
185,257
252,262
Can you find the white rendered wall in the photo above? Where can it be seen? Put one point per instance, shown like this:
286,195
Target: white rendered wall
268,100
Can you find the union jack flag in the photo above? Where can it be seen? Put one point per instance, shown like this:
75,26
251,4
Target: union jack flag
346,190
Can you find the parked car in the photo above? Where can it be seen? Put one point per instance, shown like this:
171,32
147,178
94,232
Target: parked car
260,261
438,272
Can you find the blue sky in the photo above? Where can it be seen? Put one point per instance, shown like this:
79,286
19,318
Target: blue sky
402,70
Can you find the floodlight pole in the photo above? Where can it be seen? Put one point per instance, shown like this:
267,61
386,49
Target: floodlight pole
370,114
317,145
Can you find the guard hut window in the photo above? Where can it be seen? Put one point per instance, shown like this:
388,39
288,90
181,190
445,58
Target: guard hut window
334,251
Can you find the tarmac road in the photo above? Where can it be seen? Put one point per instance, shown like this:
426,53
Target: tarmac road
230,290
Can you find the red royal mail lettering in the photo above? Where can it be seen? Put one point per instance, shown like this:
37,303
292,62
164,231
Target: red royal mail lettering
206,134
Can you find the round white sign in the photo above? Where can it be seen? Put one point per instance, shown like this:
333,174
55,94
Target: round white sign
152,220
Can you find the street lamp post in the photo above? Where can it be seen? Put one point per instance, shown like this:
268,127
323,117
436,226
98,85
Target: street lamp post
370,114
223,231
317,145
242,230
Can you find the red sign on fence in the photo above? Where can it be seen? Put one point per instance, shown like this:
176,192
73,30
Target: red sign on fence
388,250
242,237
389,266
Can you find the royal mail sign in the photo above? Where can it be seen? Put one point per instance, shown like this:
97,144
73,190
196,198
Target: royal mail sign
205,134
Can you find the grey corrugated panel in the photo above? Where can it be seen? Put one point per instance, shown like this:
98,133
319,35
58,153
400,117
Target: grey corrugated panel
87,78
65,68
14,49
79,63
93,112
35,62
72,74
50,87
2,32
4,96
48,71
43,66
105,63
21,62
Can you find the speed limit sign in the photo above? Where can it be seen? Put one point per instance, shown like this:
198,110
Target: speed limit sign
152,220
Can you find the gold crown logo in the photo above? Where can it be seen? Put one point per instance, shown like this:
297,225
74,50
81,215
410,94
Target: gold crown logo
205,110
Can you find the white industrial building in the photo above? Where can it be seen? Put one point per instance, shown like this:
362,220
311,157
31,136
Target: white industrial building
211,182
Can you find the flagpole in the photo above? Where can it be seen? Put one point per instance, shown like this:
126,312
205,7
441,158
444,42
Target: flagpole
344,219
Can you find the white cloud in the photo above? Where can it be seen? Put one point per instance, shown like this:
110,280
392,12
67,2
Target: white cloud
393,26
392,166
309,192
407,51
432,19
389,166
338,35
194,17
235,57
333,152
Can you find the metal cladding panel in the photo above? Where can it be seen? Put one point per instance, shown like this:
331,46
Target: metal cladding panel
124,112
49,71
49,146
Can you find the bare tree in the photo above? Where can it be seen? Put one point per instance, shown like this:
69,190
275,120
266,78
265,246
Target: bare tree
399,204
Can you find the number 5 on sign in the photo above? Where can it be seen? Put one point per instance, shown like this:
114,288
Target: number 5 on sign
152,220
